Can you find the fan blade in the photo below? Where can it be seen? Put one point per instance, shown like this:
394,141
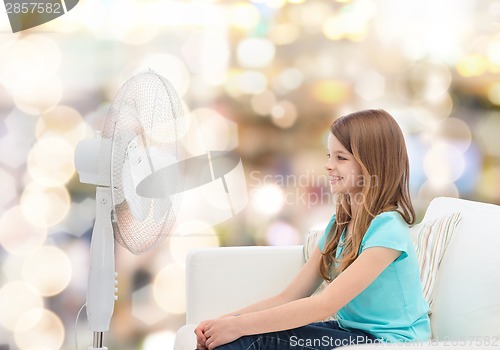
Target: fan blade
161,206
162,179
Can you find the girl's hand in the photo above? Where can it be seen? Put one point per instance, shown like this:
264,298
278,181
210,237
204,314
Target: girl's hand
221,331
200,336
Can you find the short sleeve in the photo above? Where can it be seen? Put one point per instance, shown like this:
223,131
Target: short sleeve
388,230
324,237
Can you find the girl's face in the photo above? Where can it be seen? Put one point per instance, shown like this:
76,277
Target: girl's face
344,171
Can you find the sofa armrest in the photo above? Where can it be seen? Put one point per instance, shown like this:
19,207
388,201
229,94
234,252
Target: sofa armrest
221,280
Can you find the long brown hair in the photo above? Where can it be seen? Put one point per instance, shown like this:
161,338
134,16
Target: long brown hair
375,140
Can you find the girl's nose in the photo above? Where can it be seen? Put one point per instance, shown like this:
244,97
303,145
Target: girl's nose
328,166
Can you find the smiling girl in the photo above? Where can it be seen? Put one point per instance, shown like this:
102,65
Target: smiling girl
366,254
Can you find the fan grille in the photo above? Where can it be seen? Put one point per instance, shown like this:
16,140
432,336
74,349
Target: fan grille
146,114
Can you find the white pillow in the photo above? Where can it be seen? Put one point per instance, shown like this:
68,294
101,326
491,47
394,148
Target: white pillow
431,239
312,241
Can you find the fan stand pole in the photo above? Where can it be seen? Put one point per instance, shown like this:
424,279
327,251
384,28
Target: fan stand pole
97,341
102,276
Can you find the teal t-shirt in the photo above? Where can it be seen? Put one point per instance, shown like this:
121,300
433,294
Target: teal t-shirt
392,307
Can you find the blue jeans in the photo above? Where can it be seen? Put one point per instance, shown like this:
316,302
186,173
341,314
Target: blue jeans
315,336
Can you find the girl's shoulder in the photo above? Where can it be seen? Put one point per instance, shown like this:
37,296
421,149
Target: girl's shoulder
387,226
387,217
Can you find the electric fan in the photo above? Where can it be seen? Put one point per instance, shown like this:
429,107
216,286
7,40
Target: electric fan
133,203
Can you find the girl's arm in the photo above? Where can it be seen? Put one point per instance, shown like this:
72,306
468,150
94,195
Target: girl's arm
363,271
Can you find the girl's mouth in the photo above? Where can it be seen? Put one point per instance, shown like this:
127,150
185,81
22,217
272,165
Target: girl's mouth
335,179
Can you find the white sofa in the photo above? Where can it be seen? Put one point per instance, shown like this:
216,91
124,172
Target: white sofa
466,293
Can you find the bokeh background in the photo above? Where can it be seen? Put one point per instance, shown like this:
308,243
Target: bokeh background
277,73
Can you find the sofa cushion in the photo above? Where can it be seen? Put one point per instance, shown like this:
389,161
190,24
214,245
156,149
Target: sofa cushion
431,239
311,242
466,294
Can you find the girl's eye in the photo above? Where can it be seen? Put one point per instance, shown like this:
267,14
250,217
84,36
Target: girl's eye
328,155
341,158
